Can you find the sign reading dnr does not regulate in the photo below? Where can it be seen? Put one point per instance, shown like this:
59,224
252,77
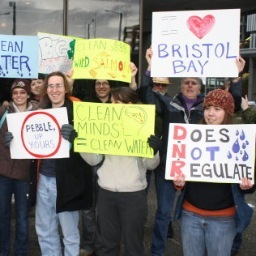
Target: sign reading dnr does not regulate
212,153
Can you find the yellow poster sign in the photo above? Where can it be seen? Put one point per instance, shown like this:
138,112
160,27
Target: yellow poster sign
116,129
102,59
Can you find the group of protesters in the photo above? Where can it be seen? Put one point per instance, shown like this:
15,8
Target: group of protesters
109,192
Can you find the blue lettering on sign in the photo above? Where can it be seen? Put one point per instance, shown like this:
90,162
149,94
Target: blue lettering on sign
186,58
11,46
13,58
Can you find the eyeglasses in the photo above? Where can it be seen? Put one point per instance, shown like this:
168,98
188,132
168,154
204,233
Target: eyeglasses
104,84
187,82
56,86
159,84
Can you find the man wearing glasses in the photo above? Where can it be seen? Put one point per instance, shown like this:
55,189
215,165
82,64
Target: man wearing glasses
160,85
102,91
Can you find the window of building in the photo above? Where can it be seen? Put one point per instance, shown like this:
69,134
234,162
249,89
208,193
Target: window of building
31,17
85,18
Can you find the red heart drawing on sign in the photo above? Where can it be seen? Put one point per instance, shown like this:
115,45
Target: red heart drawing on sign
200,27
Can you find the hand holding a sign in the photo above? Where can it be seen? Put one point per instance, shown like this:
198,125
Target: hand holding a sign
179,181
245,184
134,70
148,57
68,132
155,143
8,138
69,78
240,62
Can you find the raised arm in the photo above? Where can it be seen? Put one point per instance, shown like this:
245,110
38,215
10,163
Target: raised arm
134,70
240,62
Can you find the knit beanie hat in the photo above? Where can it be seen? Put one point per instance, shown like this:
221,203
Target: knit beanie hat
220,98
21,83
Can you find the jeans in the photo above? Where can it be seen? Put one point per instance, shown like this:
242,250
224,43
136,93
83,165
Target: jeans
19,189
165,199
213,235
47,222
237,241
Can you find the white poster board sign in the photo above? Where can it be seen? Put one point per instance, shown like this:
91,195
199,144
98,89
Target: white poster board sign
195,43
56,53
211,153
36,134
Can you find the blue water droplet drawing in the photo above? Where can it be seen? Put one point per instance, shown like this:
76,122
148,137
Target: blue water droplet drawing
237,158
247,142
229,155
237,132
236,147
242,135
243,145
245,156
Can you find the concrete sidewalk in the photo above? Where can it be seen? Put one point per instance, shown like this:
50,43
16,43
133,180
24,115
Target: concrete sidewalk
174,247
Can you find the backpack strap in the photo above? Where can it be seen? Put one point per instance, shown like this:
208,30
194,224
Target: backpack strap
3,118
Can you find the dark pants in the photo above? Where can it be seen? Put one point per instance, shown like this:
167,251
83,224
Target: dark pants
121,215
90,240
165,199
88,229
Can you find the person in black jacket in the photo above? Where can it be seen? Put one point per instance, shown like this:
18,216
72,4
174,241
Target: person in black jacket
65,185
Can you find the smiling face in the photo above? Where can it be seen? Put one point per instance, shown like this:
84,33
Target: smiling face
190,87
56,91
102,89
20,98
36,86
214,115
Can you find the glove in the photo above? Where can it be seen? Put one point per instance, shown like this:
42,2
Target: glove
68,132
7,140
155,143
